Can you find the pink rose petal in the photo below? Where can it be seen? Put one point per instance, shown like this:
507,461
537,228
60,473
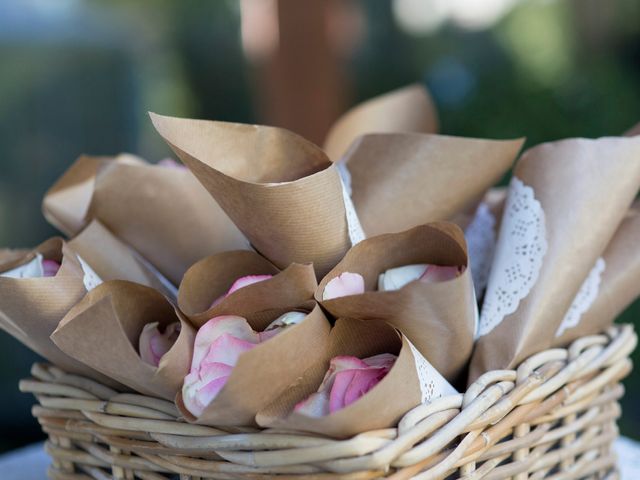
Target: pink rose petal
396,278
171,163
50,268
246,281
214,328
438,273
208,392
345,362
385,360
225,349
217,348
362,382
154,344
241,283
200,388
347,379
340,385
316,405
345,284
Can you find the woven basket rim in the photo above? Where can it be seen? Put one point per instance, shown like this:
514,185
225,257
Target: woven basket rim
548,416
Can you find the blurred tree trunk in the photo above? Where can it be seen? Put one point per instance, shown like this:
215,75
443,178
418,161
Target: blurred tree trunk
302,86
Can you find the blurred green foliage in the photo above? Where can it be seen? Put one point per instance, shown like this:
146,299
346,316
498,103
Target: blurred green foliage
79,77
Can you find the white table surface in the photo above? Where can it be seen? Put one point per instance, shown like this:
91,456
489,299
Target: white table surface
31,462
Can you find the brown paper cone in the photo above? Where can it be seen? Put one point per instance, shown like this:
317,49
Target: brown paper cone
66,203
111,259
32,307
10,255
211,278
164,214
619,283
280,190
263,373
407,109
103,331
373,411
438,318
564,204
403,180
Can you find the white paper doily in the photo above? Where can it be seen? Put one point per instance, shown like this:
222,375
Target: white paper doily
521,247
584,298
432,384
481,243
356,233
90,279
32,269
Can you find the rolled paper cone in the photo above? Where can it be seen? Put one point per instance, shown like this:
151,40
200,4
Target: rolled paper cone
31,308
615,286
411,381
66,203
279,189
103,331
9,259
400,180
438,318
111,259
407,109
264,372
210,279
10,255
565,201
164,214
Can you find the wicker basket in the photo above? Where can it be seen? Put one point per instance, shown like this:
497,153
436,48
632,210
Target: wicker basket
554,417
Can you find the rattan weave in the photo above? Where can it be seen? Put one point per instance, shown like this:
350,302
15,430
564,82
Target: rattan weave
554,418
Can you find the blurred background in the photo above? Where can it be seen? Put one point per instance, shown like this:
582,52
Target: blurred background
79,76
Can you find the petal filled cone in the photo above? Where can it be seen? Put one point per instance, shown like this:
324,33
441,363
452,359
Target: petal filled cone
360,339
264,372
207,281
438,318
103,331
31,308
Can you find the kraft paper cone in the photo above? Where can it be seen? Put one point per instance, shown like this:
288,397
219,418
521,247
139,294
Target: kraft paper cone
10,255
407,109
372,411
438,318
610,286
66,203
564,204
279,189
263,373
164,214
211,278
103,331
31,308
111,259
406,179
